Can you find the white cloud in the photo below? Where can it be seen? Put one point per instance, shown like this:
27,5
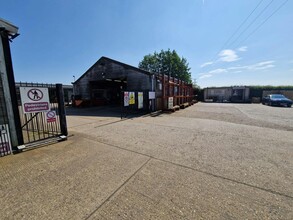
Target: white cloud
211,73
258,66
228,56
206,64
205,76
262,65
265,63
238,69
242,49
218,71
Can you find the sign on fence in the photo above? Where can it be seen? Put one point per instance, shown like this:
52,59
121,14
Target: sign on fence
140,100
51,116
34,99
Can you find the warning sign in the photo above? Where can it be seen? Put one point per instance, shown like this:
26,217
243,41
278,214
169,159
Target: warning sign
131,98
140,100
51,116
126,99
34,99
152,95
170,102
35,94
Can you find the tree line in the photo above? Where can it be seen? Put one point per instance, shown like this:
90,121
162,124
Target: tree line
167,62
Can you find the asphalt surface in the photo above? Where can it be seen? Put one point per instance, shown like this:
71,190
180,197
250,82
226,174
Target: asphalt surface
209,161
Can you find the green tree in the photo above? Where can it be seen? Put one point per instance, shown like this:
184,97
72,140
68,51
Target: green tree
167,62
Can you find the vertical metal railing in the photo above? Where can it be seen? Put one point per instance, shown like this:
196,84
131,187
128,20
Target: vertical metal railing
4,131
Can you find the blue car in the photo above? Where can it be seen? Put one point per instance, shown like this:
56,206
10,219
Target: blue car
276,100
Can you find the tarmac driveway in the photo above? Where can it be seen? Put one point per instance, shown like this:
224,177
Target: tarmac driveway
209,161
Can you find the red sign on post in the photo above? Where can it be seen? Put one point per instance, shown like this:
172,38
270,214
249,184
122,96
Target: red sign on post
51,116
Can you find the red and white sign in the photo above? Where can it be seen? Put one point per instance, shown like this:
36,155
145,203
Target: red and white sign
126,99
51,116
34,99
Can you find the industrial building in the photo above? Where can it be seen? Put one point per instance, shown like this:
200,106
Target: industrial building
237,94
106,82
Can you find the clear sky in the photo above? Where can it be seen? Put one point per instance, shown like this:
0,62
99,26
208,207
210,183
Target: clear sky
222,43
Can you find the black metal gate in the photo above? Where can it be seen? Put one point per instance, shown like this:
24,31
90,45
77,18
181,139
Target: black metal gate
42,126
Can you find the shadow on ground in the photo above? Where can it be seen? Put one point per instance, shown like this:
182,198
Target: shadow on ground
108,111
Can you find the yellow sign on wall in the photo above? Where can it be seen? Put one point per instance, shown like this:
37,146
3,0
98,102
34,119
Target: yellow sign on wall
131,98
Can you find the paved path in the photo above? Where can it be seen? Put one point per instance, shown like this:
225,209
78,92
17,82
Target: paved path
209,161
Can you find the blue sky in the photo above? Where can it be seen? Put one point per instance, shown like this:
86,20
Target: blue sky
62,38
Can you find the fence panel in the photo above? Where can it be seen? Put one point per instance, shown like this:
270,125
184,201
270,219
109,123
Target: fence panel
37,126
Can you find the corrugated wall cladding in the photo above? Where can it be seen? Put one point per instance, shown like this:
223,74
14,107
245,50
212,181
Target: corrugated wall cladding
138,81
224,93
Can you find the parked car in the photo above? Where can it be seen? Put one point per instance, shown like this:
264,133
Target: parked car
276,100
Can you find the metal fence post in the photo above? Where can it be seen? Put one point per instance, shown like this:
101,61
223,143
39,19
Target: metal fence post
14,118
61,109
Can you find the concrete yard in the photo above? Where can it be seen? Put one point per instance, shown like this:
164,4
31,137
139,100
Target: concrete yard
208,161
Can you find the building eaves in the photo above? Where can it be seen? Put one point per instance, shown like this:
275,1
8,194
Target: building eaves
102,59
